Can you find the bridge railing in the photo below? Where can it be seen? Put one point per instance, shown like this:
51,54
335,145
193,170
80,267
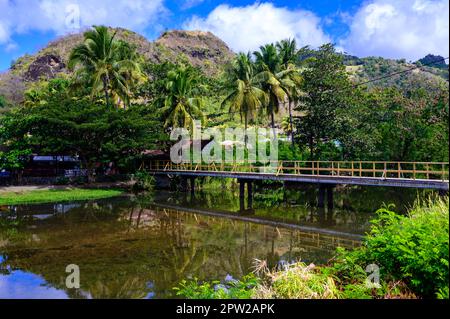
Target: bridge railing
375,169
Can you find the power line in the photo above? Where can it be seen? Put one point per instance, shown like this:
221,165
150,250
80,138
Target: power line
356,85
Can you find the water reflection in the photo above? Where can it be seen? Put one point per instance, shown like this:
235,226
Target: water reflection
141,247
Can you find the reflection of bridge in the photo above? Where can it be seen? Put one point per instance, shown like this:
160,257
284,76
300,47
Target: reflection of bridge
314,237
428,175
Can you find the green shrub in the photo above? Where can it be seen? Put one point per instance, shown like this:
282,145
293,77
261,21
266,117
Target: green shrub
62,180
144,181
413,248
230,289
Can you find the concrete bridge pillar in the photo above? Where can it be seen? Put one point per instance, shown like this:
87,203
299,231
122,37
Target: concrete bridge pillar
330,199
192,185
250,194
321,197
242,195
183,183
328,190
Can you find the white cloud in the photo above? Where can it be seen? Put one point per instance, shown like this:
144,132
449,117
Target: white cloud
188,4
20,16
247,28
399,29
11,46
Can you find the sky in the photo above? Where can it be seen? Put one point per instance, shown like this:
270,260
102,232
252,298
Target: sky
396,29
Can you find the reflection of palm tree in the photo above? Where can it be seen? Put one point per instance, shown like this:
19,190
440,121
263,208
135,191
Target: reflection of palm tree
132,288
182,261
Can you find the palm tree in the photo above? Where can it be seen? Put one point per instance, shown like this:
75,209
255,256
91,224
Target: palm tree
288,52
270,75
109,65
182,103
243,93
289,57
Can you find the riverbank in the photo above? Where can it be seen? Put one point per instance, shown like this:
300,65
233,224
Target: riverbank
17,195
402,257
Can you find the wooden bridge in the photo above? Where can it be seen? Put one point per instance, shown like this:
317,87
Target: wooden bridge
326,174
393,174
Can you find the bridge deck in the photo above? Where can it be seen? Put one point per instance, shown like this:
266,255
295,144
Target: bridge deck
333,180
388,174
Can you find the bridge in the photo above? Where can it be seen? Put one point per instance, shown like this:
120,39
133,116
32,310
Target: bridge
325,174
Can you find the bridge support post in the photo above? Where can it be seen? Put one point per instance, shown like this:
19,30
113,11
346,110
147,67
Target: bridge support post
192,184
241,195
321,197
330,200
183,184
250,195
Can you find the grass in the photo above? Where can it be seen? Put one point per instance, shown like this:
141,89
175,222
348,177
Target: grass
55,195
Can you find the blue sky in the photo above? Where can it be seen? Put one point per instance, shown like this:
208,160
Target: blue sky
390,28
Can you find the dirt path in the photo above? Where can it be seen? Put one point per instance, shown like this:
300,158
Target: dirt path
22,189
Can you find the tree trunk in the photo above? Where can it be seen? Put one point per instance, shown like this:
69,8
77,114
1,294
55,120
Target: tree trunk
245,130
291,124
105,88
273,123
90,171
311,147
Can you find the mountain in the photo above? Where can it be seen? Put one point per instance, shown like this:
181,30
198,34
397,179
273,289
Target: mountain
201,49
211,54
424,74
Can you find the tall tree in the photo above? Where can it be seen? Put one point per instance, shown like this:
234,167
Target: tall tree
107,64
270,76
243,92
327,89
79,127
182,102
289,58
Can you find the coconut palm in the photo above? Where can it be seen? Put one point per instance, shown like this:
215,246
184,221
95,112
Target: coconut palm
243,92
109,65
270,76
288,52
182,103
289,57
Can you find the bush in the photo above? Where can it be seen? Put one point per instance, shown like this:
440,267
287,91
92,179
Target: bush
62,180
230,289
143,181
413,249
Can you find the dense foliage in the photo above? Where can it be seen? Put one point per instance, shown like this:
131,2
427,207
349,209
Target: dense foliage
309,94
413,249
70,125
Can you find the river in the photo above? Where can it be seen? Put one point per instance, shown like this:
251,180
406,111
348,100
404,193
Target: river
143,246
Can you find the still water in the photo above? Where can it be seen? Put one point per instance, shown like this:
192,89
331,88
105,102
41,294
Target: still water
143,246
